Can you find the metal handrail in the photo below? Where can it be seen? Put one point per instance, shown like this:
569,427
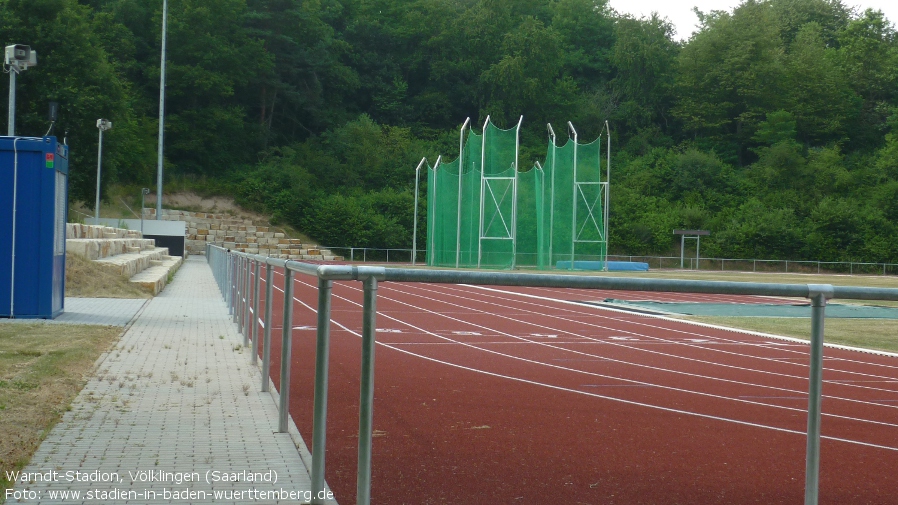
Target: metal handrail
226,266
360,254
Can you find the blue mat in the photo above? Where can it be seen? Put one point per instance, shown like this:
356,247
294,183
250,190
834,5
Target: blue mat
757,309
613,266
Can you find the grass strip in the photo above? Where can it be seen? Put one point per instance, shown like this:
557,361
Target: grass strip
42,368
880,334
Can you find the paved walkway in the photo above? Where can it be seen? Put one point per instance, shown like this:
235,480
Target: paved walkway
175,404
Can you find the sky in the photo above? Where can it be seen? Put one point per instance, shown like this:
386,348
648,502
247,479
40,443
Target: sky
679,12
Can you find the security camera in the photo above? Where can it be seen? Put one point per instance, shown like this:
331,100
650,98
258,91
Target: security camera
104,124
20,56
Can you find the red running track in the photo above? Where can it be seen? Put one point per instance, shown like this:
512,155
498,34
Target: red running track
484,395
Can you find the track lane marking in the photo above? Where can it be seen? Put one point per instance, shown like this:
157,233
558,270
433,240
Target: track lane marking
594,395
705,325
474,346
626,346
674,330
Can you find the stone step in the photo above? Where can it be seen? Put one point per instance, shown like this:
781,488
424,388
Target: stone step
130,264
155,278
96,248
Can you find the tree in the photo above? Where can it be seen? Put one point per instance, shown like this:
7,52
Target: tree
75,71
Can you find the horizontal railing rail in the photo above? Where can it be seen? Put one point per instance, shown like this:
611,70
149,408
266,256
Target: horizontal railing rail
238,277
399,255
763,265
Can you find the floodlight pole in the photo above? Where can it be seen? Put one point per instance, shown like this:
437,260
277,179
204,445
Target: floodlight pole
574,202
160,148
415,225
11,128
461,166
102,125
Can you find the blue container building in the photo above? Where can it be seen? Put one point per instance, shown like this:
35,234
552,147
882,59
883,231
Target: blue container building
33,212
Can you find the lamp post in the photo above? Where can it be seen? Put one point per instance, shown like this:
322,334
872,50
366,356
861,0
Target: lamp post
17,58
161,114
143,195
102,125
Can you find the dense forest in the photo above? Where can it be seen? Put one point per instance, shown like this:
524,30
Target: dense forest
774,125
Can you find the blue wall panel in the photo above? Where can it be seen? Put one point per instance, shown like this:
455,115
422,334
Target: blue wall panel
34,193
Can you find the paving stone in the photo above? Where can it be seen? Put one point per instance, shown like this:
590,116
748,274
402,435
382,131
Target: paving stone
191,403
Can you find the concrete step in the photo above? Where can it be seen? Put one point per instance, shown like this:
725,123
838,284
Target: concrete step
78,230
130,264
155,278
97,248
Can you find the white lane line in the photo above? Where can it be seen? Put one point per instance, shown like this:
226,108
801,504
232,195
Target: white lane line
663,354
632,381
660,338
589,373
594,395
696,323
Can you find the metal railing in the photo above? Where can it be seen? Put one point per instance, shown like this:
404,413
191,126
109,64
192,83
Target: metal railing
759,265
232,271
374,254
365,254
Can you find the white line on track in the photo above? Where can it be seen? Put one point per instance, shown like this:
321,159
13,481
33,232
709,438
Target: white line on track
664,328
699,393
696,323
622,344
585,393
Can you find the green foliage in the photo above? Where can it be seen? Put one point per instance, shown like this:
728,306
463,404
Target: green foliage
774,126
379,219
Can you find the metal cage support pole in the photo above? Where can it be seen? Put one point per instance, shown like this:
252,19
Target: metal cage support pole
514,195
818,295
254,326
433,208
266,332
415,218
552,196
461,166
286,352
607,195
319,410
574,201
482,171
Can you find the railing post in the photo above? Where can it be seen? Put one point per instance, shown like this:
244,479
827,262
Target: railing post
319,413
253,333
366,398
266,333
286,351
818,295
236,301
246,301
232,285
